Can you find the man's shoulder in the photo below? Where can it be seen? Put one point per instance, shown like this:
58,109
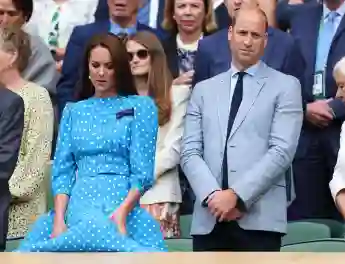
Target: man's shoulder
280,37
160,34
275,77
209,84
85,31
214,39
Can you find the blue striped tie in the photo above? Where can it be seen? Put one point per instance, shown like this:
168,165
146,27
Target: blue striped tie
326,34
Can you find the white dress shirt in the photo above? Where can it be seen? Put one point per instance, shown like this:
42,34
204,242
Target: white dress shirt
73,13
154,8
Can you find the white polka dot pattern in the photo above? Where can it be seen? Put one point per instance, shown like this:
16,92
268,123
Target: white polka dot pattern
110,156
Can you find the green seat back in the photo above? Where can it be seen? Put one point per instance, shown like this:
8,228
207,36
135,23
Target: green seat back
322,245
185,225
50,198
179,245
336,227
12,245
305,231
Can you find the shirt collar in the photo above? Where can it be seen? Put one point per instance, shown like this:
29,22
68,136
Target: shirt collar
340,11
252,70
116,29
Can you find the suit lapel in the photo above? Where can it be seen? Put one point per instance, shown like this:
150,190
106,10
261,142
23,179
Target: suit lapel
311,30
251,89
340,30
223,103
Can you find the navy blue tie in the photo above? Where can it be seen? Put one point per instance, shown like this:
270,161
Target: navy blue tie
235,105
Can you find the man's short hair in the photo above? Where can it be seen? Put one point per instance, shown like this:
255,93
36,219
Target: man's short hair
256,9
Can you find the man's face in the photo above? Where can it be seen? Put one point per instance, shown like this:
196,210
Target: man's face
248,38
234,5
123,8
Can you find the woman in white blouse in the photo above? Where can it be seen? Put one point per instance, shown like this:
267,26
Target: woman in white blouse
337,184
54,21
153,78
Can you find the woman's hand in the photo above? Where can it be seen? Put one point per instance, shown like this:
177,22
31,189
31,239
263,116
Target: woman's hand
59,65
185,78
119,217
58,228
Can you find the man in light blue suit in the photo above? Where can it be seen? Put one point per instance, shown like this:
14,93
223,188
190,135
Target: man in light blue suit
241,133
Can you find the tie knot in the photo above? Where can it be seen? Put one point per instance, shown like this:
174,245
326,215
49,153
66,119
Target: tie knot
241,74
332,16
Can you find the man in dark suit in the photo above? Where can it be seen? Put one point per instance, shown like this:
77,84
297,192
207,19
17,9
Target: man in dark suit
213,57
123,20
320,30
286,9
11,128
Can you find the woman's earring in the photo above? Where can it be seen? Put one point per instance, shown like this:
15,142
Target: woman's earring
89,77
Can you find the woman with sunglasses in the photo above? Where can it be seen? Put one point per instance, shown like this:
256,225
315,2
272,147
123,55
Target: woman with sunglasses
153,78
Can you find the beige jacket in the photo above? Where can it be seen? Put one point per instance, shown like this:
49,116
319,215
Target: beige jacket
27,183
167,185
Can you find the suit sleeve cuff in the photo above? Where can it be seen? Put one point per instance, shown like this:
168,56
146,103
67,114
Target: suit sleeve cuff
204,202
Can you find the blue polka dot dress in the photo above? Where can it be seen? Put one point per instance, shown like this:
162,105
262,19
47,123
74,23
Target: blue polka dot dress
106,147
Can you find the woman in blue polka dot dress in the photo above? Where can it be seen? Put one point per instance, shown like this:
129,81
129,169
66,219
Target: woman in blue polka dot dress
104,162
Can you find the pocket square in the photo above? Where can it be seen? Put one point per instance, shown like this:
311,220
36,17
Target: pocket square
126,112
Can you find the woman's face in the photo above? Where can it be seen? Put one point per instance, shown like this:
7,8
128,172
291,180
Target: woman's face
102,72
340,80
9,15
140,60
189,15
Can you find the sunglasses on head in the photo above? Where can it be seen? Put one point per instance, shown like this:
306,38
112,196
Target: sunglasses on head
141,54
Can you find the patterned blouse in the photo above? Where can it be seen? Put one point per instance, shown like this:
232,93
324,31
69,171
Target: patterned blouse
27,183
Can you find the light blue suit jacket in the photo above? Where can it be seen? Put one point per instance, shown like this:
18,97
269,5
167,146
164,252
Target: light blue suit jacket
261,145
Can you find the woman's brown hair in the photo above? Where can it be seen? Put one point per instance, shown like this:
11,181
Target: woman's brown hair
169,23
159,78
14,39
124,81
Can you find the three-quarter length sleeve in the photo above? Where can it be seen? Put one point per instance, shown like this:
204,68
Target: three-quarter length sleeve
143,144
64,166
37,142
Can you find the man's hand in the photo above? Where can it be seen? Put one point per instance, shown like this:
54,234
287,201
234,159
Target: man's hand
319,113
222,205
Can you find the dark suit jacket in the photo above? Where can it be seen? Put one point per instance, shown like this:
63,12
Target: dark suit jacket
285,12
11,128
102,12
74,53
281,53
222,17
305,28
